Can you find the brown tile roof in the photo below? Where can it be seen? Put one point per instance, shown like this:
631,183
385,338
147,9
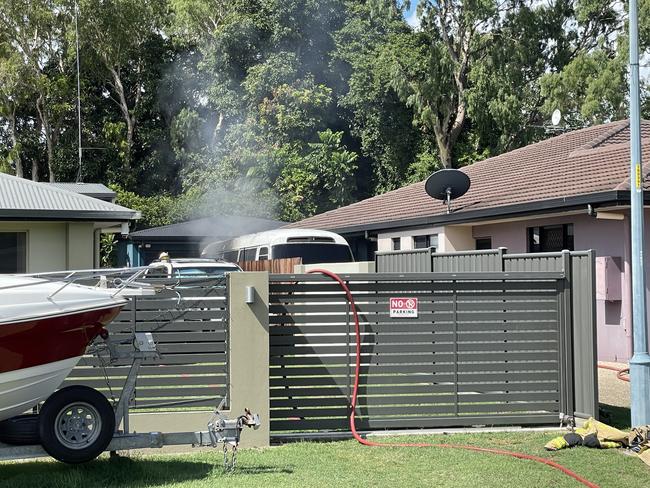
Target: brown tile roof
581,162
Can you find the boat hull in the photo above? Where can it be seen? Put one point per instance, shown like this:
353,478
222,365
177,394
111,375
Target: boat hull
23,388
51,339
36,355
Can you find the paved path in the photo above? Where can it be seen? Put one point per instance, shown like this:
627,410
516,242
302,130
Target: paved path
611,390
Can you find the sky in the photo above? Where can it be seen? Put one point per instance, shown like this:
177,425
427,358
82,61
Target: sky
410,15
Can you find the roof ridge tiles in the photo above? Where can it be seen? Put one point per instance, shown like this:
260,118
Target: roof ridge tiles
619,126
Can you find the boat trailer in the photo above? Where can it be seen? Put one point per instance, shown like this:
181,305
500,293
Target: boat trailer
220,429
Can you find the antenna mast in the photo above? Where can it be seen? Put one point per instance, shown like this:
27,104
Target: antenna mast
79,151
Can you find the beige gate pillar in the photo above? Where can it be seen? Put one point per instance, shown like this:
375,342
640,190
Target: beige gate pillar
248,349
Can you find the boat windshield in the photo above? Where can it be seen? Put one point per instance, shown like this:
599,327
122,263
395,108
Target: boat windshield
314,252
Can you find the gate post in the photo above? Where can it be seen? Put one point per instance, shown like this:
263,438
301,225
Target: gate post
566,337
248,351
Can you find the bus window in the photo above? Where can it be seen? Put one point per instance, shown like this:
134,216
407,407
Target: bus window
263,254
314,252
249,254
230,255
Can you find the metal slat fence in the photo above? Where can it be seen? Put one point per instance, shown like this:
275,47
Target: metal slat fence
485,348
190,327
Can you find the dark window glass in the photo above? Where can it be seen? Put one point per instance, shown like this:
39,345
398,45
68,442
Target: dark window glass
13,252
397,243
263,254
483,243
249,254
313,253
421,242
230,256
550,238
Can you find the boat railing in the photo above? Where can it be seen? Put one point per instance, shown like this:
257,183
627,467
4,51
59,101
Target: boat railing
116,280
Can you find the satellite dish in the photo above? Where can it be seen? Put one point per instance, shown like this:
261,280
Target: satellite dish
447,184
556,118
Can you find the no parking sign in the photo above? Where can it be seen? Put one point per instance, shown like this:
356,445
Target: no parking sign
403,307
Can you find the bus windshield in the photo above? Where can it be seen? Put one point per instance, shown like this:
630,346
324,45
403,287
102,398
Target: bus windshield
314,252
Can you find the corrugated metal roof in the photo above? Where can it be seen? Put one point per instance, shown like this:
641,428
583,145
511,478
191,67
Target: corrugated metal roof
222,226
96,190
25,199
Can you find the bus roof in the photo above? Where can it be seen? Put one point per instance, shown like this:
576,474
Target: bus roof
272,237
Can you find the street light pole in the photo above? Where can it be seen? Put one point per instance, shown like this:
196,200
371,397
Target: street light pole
640,362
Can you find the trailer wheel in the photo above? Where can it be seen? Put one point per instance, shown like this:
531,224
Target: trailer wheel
20,431
76,424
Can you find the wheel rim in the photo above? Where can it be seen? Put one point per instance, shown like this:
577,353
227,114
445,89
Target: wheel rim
78,425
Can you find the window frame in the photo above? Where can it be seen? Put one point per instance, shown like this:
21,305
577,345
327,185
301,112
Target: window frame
535,239
396,243
484,240
263,253
427,241
21,267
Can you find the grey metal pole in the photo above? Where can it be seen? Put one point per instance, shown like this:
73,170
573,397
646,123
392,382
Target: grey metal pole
79,150
640,362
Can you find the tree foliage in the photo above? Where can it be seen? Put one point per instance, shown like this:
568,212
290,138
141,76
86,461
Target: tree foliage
287,108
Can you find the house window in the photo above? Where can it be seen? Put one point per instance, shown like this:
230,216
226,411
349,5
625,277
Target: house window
13,252
397,243
421,242
550,238
483,243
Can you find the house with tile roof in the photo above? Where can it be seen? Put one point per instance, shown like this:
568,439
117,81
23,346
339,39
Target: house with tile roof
49,227
570,191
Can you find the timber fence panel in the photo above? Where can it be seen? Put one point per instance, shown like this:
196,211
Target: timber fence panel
189,324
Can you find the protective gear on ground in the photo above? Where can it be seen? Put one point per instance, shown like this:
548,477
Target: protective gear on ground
602,436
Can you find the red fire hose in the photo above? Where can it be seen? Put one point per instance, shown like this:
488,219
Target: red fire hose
365,442
621,373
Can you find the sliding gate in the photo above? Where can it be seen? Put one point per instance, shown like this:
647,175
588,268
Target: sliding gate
476,349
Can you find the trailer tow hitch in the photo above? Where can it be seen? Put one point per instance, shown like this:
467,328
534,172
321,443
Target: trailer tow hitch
228,432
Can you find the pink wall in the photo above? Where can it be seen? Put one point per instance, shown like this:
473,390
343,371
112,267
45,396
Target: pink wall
606,238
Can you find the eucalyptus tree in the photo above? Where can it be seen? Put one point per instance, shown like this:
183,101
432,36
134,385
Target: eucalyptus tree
12,90
36,31
481,63
120,36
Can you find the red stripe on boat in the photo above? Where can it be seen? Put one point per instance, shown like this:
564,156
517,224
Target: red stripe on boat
49,339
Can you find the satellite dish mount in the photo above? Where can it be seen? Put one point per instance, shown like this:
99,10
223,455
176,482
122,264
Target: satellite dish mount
447,185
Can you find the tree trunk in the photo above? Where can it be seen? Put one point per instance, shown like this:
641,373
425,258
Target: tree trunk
49,138
128,118
18,163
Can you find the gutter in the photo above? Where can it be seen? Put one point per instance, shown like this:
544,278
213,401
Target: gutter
68,215
612,197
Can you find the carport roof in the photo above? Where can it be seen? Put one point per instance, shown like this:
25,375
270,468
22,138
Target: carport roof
571,170
22,199
218,227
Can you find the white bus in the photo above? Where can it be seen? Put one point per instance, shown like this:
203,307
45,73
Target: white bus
313,246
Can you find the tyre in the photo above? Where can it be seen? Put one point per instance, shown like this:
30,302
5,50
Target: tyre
76,424
20,431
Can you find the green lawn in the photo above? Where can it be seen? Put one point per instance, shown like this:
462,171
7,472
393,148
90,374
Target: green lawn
345,463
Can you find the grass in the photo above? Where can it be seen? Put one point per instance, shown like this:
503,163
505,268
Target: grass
345,463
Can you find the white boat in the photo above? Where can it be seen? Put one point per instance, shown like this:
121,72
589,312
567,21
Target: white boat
45,327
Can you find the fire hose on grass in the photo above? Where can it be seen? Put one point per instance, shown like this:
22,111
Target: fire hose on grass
365,442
